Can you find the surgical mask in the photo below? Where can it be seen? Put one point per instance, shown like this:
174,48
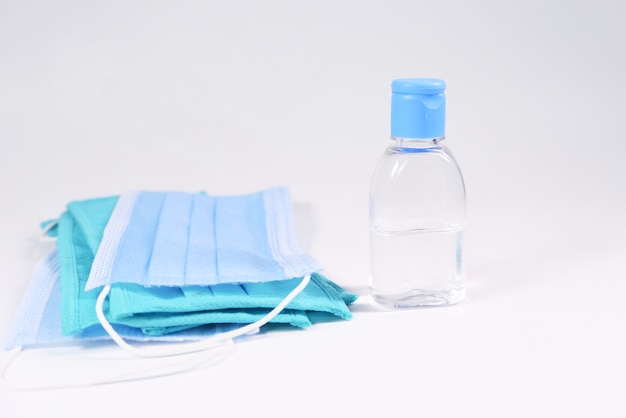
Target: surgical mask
175,238
38,321
161,310
253,241
82,230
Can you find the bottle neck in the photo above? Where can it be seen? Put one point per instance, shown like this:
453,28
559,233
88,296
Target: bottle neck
417,143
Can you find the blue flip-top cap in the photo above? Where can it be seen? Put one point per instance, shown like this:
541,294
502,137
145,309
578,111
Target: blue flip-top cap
418,108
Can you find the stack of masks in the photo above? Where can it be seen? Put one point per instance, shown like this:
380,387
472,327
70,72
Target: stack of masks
176,267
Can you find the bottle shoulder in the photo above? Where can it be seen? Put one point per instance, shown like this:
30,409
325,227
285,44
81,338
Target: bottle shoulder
417,162
432,172
396,150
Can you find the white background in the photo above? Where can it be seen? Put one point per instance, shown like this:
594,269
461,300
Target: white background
98,98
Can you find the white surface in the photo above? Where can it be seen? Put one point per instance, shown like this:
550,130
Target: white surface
231,97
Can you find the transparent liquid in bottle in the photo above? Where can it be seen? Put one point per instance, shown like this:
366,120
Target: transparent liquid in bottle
417,216
417,268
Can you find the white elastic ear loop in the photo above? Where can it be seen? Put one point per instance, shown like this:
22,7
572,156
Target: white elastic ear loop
205,344
185,363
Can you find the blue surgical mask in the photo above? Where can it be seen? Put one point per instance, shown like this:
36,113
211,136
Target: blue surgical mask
176,239
38,320
262,221
160,308
105,235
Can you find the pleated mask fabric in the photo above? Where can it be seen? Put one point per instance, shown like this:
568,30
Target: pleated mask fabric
159,310
38,319
181,239
80,231
172,267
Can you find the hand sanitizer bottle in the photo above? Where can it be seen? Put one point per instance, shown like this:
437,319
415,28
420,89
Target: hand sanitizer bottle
417,205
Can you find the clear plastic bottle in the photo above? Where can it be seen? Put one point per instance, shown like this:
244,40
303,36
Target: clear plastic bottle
417,205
